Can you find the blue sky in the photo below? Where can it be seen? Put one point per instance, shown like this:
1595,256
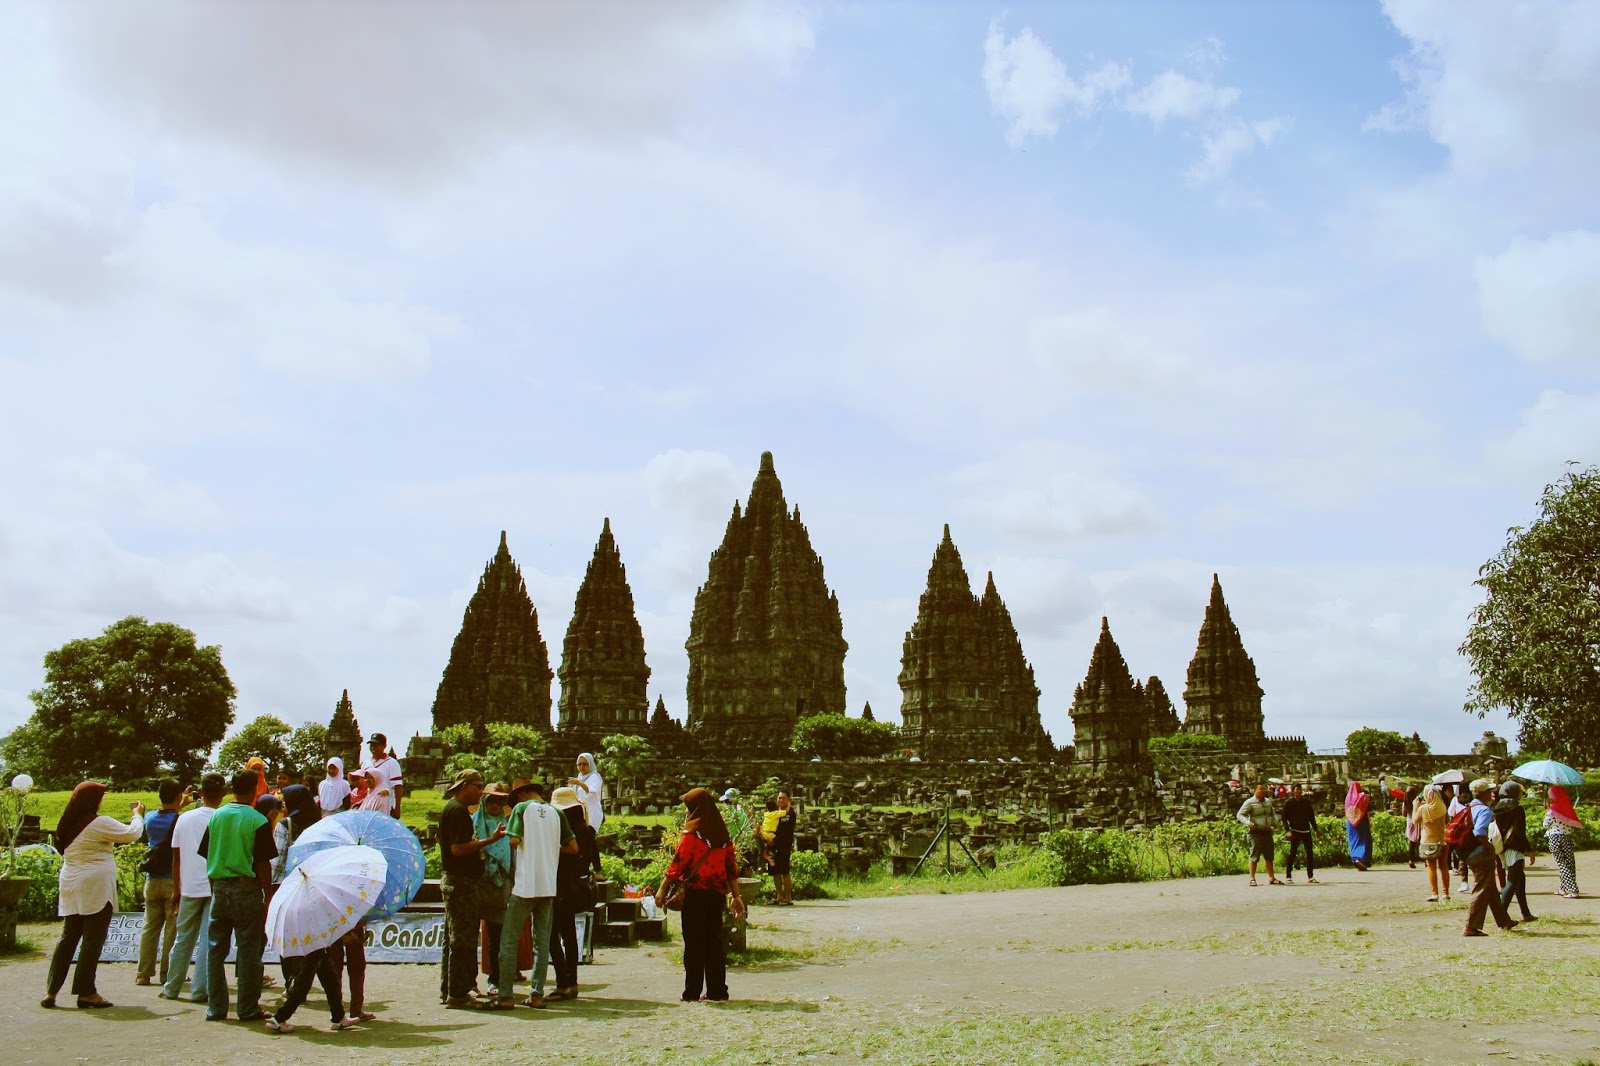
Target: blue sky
299,309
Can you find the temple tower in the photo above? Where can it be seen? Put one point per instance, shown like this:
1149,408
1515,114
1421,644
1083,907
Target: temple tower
1109,720
1158,707
766,643
966,688
499,668
604,676
344,734
1223,695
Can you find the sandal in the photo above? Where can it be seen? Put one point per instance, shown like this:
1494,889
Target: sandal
95,1004
48,1003
498,1004
1252,882
1274,881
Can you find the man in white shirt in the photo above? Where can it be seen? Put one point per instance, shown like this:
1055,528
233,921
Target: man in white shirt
192,893
378,757
539,835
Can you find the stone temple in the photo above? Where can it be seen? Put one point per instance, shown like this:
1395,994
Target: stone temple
967,690
499,668
1223,696
604,678
1110,719
766,644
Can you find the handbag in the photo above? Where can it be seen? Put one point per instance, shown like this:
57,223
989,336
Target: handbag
670,894
1429,849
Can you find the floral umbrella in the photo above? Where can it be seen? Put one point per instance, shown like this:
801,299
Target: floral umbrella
391,837
324,897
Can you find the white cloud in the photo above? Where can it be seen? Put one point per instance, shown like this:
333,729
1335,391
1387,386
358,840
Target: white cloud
1043,496
1028,86
1226,142
1174,95
1541,299
1558,428
1095,348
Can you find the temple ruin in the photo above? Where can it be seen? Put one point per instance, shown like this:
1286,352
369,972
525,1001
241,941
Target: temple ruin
604,677
766,644
1159,710
1223,695
967,690
344,734
499,668
1110,720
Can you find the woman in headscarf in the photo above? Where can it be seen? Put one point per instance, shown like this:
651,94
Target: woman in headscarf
333,794
1358,825
259,765
1428,819
573,893
589,785
1413,834
1559,821
706,864
1512,821
492,814
87,889
379,796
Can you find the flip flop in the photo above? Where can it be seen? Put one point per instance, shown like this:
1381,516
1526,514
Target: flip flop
498,1004
98,1004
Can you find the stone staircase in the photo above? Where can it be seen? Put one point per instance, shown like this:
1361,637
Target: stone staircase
620,922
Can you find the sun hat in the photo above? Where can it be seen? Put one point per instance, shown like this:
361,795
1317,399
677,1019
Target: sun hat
464,777
1480,785
497,790
565,796
521,785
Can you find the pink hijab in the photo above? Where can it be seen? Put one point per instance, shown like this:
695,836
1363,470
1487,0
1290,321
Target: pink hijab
1355,803
380,797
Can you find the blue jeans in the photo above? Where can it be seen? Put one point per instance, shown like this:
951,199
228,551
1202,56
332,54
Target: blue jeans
238,910
519,909
194,926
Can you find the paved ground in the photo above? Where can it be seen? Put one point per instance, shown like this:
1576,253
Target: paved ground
829,975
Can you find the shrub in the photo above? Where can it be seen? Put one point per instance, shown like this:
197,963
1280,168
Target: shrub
809,871
42,868
1094,858
1368,741
834,736
1188,744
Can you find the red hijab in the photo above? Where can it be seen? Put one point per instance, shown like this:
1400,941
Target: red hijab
82,807
1561,807
705,819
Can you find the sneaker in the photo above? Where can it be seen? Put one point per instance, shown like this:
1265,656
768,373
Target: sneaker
279,1027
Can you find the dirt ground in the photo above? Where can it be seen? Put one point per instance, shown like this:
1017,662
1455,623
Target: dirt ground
828,975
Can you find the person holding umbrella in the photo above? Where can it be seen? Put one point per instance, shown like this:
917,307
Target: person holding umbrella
321,900
1559,821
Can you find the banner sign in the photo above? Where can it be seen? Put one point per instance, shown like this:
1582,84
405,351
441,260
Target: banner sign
410,936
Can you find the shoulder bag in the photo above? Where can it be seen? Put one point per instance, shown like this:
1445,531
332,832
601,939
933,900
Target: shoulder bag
670,895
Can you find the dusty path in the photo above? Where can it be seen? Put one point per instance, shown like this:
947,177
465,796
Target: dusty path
1108,951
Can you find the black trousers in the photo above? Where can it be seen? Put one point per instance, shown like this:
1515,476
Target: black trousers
317,965
1296,842
89,931
705,951
1516,887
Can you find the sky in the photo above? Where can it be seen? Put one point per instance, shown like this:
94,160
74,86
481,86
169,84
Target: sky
302,304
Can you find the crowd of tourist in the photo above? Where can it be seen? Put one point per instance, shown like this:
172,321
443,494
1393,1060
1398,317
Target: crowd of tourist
518,863
1476,830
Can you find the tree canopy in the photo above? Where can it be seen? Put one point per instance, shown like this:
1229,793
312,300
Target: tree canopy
266,737
500,751
834,736
1534,642
1188,744
141,700
1369,741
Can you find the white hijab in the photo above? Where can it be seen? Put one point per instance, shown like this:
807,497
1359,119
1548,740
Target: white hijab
592,784
332,791
380,797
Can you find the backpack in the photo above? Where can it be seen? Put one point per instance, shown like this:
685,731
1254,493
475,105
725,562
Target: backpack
1459,834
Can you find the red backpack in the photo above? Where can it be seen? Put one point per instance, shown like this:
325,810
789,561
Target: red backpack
1459,834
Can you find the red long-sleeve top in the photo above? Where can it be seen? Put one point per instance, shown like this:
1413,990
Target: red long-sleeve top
717,872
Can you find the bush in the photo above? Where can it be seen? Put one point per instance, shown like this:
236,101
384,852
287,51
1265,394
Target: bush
834,736
42,868
1368,741
809,872
1094,858
1188,744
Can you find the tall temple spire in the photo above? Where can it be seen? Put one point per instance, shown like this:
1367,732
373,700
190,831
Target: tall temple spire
604,677
1108,715
499,668
766,643
1159,709
1223,694
966,687
344,733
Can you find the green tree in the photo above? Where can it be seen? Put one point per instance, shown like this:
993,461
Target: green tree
834,736
140,700
1534,642
308,750
1188,744
624,754
501,751
266,737
1368,741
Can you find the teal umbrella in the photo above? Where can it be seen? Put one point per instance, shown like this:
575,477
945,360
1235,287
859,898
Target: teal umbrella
1548,772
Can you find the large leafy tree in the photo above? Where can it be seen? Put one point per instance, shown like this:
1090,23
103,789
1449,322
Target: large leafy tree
266,737
1534,643
1369,741
142,699
308,750
835,736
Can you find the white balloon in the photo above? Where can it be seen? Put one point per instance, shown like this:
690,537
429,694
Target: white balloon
22,782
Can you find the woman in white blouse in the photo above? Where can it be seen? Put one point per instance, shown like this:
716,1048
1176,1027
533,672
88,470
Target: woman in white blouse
588,786
88,886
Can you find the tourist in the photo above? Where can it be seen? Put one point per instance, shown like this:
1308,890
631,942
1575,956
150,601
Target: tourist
1458,802
348,954
1512,822
489,822
238,850
381,760
461,856
283,780
258,766
87,889
313,965
1480,860
1258,816
1358,826
573,893
1429,816
1413,834
333,793
377,793
270,807
705,864
590,787
160,910
193,899
1300,819
539,834
520,790
780,849
1559,822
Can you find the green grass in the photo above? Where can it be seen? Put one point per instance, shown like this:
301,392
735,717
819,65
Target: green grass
771,947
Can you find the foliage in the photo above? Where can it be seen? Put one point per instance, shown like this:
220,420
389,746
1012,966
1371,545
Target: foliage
501,751
13,805
308,750
1188,744
457,737
1369,741
624,754
130,881
137,701
767,790
1534,642
808,870
43,869
1417,746
266,738
432,863
834,736
1091,857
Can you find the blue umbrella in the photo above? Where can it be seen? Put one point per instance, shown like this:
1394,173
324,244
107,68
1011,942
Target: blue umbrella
1548,772
393,840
